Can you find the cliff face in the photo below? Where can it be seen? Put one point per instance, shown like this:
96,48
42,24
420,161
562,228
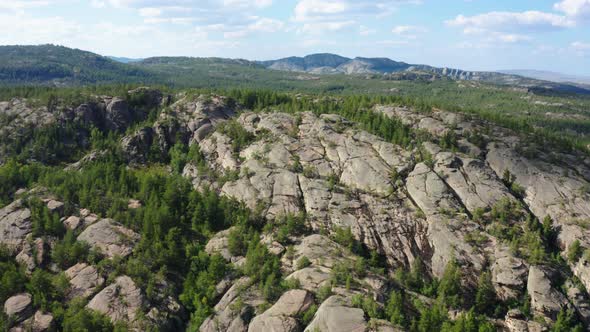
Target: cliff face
486,204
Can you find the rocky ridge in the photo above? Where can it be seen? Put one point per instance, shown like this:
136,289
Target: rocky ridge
414,204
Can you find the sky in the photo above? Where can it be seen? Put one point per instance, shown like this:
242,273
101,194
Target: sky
468,34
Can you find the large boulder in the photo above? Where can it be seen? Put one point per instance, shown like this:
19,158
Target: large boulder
39,322
19,307
118,116
32,254
136,147
337,315
509,274
15,225
84,280
111,238
120,301
546,301
281,316
234,310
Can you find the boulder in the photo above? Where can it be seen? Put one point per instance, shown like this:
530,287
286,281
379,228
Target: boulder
546,301
337,315
579,299
516,321
235,309
120,301
219,245
40,322
55,206
136,147
509,274
32,254
111,238
291,303
281,316
73,222
117,116
15,225
311,278
19,307
84,280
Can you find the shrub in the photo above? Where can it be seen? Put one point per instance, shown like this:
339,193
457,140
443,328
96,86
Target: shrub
303,262
574,252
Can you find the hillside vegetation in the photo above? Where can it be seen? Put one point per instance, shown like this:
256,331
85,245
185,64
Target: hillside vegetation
166,210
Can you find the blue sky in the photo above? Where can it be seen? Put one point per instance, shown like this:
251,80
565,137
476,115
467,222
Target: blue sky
468,34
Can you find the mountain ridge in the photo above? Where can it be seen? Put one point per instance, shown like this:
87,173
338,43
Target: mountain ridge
61,66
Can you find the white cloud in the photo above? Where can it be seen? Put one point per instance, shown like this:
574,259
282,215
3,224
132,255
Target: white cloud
574,8
247,3
307,10
366,31
150,12
97,3
581,46
20,29
511,21
409,31
318,28
581,49
262,24
322,10
20,5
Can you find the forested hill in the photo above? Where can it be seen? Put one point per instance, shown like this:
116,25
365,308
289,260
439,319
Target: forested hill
62,66
51,65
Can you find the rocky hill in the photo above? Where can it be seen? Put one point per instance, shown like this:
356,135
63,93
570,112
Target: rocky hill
265,212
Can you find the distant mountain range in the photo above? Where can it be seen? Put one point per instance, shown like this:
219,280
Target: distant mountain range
326,63
548,76
123,59
62,66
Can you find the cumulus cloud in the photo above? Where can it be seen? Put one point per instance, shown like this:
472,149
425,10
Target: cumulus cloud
321,10
408,31
318,28
574,8
511,21
323,16
19,5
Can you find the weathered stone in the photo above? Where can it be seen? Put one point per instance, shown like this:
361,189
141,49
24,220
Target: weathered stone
19,307
579,299
72,222
337,315
117,117
84,280
509,274
546,301
111,238
551,190
15,225
515,321
279,318
476,185
219,245
32,254
120,301
40,322
136,147
230,315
